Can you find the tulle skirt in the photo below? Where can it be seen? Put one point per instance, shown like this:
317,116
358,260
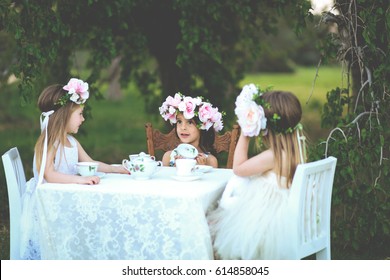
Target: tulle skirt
250,222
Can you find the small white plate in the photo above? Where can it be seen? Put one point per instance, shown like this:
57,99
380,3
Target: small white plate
100,174
203,168
194,176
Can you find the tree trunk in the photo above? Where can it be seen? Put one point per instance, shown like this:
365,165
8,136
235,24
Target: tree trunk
114,73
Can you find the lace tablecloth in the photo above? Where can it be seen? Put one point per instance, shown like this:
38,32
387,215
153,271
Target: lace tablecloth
123,218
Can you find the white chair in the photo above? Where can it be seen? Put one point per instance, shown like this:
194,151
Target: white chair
310,208
16,183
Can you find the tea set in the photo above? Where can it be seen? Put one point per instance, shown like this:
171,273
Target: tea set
87,168
142,166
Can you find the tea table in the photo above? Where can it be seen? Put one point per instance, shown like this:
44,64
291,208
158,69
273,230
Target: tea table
123,218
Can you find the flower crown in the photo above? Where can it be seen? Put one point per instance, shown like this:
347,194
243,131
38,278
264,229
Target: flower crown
77,92
190,107
250,112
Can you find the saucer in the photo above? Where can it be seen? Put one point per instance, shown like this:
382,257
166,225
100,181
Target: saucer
194,176
203,168
100,174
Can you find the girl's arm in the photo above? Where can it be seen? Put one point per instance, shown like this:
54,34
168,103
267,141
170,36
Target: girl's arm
166,158
53,176
242,166
103,167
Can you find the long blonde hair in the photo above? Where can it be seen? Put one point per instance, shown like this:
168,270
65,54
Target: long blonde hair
56,129
282,135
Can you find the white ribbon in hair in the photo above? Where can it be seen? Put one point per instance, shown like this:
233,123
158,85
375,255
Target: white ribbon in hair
45,121
44,125
302,151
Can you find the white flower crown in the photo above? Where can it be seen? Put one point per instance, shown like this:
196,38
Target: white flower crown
251,116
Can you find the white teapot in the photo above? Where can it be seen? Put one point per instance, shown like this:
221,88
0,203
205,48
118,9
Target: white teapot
142,167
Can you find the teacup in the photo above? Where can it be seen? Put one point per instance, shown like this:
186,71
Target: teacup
186,151
185,166
87,168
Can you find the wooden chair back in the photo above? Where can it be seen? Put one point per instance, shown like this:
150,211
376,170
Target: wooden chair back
157,140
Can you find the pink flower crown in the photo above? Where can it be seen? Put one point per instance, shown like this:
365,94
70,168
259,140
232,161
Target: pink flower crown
77,92
190,107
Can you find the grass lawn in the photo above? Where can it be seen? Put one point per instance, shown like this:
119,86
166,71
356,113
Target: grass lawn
116,128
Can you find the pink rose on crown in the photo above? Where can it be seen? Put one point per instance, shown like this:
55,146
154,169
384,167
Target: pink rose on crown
206,111
210,116
217,119
171,116
78,90
174,101
187,107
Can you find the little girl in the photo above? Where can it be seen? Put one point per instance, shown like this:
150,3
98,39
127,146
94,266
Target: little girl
56,154
196,122
250,221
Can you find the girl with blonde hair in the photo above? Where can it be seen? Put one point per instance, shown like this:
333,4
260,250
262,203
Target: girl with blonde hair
250,222
56,154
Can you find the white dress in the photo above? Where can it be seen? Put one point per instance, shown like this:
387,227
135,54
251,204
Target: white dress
65,163
250,221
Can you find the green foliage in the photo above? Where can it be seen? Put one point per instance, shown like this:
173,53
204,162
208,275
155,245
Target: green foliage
333,109
7,56
360,141
37,43
200,47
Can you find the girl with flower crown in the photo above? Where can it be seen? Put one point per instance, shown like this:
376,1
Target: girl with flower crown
196,122
56,154
250,222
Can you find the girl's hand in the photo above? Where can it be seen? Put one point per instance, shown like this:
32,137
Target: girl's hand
176,157
201,159
89,180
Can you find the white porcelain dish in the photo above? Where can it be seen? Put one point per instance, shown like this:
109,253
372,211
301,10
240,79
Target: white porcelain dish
203,168
187,151
194,176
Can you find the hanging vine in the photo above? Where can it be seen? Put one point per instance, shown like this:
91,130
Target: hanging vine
360,138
